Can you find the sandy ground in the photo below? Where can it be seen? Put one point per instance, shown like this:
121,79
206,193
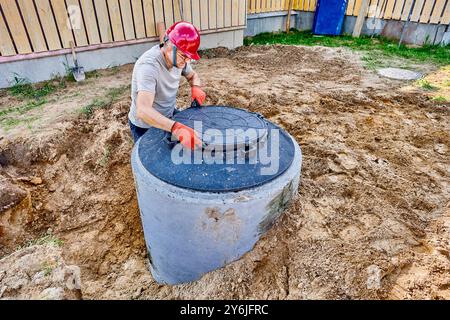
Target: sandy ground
371,221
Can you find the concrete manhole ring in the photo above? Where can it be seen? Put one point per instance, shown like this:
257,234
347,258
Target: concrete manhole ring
399,74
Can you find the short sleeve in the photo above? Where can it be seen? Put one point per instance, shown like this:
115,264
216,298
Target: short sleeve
187,70
146,76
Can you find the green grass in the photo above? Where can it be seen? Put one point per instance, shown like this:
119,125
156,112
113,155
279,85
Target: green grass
101,103
377,48
24,90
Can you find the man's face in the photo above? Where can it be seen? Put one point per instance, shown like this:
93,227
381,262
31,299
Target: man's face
182,59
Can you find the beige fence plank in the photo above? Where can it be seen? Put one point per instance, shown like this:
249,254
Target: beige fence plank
406,9
6,43
350,6
150,27
228,6
76,21
396,15
168,13
48,24
196,13
438,11
187,12
32,23
14,22
235,13
220,14
62,22
446,16
116,20
177,10
204,15
103,21
90,20
426,12
415,16
127,19
242,12
252,6
389,9
159,13
357,7
372,8
212,14
312,5
138,16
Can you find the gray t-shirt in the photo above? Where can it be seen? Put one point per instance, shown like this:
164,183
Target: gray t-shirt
152,75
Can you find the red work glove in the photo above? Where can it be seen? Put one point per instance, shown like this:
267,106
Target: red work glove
187,136
199,94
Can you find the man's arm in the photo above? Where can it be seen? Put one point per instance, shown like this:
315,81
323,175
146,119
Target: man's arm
146,112
193,79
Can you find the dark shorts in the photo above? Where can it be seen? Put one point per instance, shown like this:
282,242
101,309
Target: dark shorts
138,132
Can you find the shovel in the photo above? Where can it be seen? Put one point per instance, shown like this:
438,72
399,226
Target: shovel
77,71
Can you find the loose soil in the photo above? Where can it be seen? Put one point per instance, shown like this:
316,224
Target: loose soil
371,221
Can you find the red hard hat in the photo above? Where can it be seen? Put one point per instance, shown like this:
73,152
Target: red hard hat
186,38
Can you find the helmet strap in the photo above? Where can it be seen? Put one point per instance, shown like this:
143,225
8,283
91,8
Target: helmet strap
174,56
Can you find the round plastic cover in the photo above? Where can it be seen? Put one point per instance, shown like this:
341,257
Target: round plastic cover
241,150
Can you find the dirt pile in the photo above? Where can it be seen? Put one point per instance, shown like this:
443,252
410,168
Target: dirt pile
373,206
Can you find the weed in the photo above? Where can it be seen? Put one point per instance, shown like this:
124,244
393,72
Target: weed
100,103
440,99
424,84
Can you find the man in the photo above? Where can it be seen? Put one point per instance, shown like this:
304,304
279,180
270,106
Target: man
156,79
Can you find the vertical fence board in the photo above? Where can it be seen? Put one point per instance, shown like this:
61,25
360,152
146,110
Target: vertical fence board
406,9
127,19
187,13
14,22
212,14
62,19
87,6
204,14
76,22
103,21
350,6
48,24
168,13
415,16
437,11
242,13
196,13
116,20
159,13
177,10
32,23
6,43
426,12
389,9
372,9
235,13
398,9
446,15
228,5
312,5
150,28
220,14
357,7
138,16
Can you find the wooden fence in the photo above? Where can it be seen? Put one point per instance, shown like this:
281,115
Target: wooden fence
30,26
424,11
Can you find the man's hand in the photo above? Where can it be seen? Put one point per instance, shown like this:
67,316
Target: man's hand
199,94
187,136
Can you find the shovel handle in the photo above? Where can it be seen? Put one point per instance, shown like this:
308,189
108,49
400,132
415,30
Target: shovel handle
72,46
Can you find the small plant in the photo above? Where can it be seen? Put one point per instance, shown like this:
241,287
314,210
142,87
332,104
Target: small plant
103,161
440,99
48,238
100,103
424,84
47,268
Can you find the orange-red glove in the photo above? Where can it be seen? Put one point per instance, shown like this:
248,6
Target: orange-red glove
187,136
199,94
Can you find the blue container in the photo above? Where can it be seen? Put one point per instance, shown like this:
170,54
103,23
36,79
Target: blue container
329,17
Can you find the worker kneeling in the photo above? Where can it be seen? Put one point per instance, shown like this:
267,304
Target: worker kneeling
155,83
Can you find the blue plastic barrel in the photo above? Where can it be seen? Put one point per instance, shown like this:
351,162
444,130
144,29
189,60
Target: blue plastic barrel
329,17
